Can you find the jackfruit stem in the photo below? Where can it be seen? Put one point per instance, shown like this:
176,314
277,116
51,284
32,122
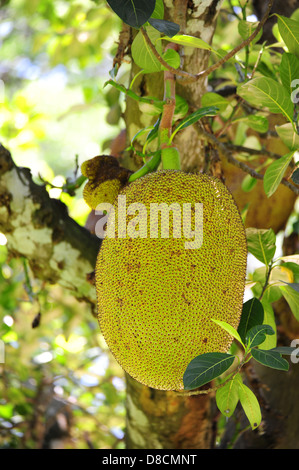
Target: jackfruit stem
148,167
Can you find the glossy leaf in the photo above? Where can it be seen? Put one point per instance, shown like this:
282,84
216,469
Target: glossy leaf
133,12
227,397
270,359
289,70
289,31
250,405
292,298
257,334
246,28
266,92
206,367
248,183
252,315
269,319
230,329
275,173
191,41
159,10
214,99
166,27
194,117
143,55
284,350
261,243
172,58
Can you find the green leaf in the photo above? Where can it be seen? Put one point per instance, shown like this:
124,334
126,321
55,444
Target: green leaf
213,99
133,12
284,350
154,132
172,58
289,70
166,27
290,258
270,358
191,41
194,117
250,405
181,108
227,397
6,411
230,329
287,134
275,172
292,298
252,315
159,10
257,122
206,367
269,319
294,285
257,334
261,243
248,183
266,92
246,28
289,31
294,268
142,54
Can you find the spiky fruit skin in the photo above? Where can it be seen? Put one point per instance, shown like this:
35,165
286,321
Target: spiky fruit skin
156,299
105,179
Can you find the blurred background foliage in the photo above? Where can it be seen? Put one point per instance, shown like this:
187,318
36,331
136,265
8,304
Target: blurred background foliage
59,385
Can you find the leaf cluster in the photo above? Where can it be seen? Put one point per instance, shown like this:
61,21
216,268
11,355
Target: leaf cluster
255,335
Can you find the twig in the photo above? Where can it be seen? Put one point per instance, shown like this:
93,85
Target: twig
162,61
204,73
251,151
245,43
213,389
224,150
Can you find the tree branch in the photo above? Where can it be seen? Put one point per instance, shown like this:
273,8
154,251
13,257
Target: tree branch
194,77
40,229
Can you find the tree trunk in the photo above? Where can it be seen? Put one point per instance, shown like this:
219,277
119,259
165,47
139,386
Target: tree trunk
157,419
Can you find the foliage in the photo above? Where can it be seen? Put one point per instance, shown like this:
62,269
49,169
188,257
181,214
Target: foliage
57,369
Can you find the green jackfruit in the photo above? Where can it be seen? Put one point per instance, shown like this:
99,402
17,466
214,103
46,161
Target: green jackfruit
105,179
157,293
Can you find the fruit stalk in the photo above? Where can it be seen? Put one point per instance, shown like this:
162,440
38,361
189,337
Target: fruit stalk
169,154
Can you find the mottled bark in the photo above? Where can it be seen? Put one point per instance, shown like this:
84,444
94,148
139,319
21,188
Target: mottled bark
40,229
165,420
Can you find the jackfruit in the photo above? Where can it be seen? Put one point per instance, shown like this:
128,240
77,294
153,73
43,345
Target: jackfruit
105,179
156,292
